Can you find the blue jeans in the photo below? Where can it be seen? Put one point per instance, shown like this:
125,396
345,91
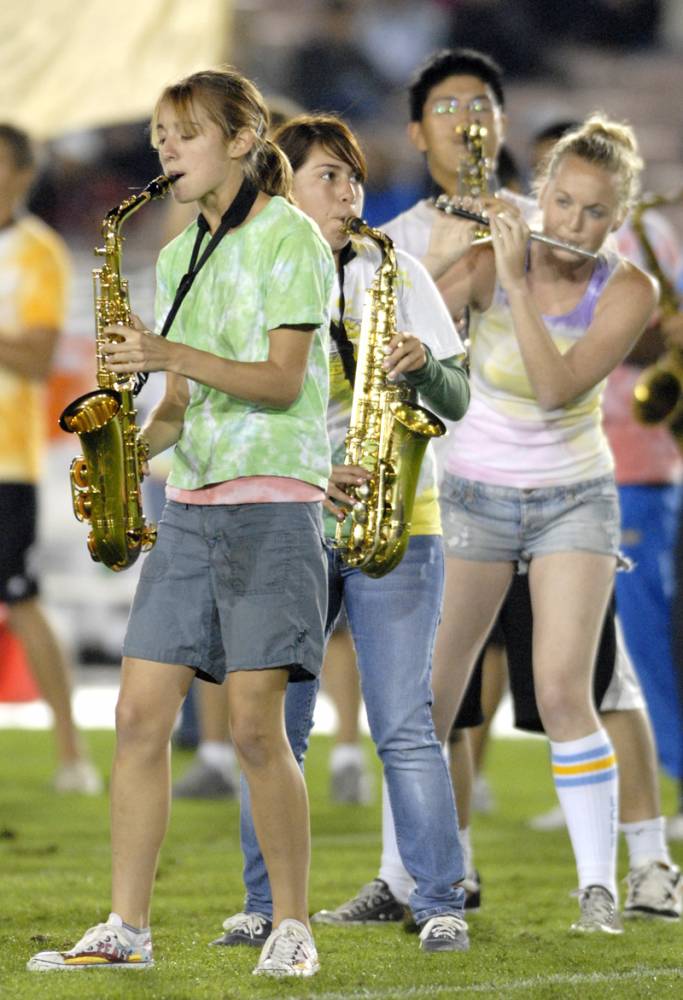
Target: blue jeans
393,622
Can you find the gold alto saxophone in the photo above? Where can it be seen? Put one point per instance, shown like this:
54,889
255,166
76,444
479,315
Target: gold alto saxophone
105,479
658,393
387,434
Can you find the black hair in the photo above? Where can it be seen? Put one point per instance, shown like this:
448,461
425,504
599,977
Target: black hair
453,62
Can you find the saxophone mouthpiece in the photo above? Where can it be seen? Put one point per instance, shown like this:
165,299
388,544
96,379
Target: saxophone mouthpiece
355,225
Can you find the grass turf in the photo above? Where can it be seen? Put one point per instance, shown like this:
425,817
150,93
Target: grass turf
54,883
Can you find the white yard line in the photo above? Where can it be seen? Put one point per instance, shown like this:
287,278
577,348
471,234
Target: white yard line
502,987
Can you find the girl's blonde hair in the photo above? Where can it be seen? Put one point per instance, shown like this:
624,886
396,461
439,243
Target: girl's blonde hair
608,144
233,103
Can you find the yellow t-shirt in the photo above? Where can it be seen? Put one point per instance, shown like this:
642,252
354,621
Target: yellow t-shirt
33,285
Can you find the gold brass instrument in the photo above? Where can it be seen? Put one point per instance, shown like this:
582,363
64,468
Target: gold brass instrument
387,435
105,479
658,393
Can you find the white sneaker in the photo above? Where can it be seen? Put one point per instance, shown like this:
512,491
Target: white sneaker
289,951
548,821
598,912
445,932
654,890
80,777
106,946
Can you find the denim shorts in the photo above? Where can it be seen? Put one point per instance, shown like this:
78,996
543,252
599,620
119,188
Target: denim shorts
488,523
233,587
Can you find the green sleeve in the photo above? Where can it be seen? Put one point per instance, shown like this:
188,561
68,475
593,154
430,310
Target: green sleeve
443,385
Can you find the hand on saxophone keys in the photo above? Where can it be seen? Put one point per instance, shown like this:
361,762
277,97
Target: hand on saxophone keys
341,478
404,353
134,349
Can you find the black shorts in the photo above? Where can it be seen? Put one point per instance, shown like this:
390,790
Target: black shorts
515,622
18,517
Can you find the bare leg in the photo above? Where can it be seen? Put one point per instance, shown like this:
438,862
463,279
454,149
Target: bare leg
633,742
214,712
49,668
279,801
340,681
569,595
150,696
462,773
473,594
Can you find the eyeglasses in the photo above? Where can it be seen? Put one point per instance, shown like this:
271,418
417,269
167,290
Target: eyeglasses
451,106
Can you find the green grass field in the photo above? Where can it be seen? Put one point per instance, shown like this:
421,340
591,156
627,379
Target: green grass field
54,883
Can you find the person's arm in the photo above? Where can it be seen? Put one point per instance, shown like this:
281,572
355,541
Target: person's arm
620,316
164,425
275,382
30,353
443,385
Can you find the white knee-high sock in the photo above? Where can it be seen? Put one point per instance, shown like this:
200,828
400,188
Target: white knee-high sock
586,781
391,868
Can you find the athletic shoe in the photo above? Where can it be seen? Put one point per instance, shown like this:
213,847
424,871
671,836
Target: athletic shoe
472,886
106,946
80,777
351,784
204,782
289,951
598,912
246,928
374,904
553,819
654,890
674,827
446,932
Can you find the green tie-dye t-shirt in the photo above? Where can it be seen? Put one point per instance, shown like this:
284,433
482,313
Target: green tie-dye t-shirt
275,271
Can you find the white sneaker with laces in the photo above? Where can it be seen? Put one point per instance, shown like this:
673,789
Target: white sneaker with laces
654,890
80,777
553,819
105,946
445,932
289,951
252,929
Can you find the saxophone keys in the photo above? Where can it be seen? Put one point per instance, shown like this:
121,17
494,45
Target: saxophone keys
79,473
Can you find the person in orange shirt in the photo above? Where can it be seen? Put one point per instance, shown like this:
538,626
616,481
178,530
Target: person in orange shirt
34,268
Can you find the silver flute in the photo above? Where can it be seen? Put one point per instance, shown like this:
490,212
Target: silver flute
444,205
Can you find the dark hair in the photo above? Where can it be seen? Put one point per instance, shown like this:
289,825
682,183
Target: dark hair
296,137
233,103
555,130
20,146
453,62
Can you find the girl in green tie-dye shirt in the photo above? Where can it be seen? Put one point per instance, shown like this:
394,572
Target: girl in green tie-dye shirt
236,583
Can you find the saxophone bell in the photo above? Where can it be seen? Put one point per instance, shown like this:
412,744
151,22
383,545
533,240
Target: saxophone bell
106,479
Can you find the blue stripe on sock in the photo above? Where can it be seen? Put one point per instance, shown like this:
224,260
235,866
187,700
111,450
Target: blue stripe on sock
575,758
591,779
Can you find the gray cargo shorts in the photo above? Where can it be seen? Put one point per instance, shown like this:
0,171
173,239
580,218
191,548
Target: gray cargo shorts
233,587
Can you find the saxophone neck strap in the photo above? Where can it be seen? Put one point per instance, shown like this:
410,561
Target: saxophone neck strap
234,216
337,328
